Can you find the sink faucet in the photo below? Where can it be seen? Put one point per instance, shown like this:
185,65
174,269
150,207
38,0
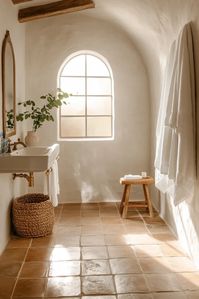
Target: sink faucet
14,144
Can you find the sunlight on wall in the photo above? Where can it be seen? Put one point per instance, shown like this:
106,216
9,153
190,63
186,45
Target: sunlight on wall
87,192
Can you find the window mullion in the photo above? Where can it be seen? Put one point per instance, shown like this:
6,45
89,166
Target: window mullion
86,122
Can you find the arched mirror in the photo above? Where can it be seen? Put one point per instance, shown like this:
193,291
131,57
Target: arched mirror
8,87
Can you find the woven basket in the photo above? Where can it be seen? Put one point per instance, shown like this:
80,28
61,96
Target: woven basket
33,215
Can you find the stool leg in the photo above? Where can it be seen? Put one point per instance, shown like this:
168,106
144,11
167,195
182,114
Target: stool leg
123,199
147,198
126,200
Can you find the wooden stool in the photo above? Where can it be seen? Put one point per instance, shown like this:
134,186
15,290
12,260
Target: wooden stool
125,204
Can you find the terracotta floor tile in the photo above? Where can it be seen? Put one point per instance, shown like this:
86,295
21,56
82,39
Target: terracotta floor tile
170,295
53,254
30,287
167,238
111,220
188,281
132,213
169,250
8,268
110,228
163,282
42,242
17,242
34,270
108,204
133,283
153,220
108,210
147,250
62,297
133,221
92,251
120,251
91,229
19,297
125,266
63,286
89,253
97,285
73,221
64,268
99,297
192,295
135,229
115,240
90,213
109,213
69,213
6,286
95,267
90,220
65,241
143,213
13,254
90,206
140,239
154,265
135,296
92,240
67,230
71,206
180,264
158,228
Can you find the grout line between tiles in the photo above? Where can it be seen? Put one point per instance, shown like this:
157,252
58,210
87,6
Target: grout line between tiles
18,275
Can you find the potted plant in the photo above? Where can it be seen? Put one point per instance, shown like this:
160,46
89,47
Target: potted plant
40,113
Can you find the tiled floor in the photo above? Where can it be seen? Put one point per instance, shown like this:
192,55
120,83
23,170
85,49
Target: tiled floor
93,253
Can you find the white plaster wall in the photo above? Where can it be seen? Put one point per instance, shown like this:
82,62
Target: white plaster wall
183,219
8,21
90,170
153,25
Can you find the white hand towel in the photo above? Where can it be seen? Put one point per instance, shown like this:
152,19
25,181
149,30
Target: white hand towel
46,184
132,177
54,184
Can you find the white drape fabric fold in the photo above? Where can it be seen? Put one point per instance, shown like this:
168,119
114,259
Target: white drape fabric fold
175,160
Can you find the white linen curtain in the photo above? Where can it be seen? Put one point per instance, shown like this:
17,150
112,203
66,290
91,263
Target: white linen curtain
175,160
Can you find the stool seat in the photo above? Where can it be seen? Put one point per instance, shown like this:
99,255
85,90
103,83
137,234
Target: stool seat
125,204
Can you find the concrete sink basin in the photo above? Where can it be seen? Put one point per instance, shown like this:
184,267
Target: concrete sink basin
29,159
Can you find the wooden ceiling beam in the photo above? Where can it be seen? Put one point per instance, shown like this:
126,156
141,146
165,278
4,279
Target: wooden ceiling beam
19,1
53,9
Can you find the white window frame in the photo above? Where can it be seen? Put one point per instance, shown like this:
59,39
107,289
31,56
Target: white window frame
84,138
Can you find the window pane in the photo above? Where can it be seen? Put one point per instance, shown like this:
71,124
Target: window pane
98,86
99,106
75,106
72,126
75,67
75,86
99,126
96,67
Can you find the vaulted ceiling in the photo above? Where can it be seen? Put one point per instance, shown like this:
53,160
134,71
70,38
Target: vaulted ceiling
151,24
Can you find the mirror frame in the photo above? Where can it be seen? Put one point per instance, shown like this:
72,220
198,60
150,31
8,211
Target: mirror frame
7,42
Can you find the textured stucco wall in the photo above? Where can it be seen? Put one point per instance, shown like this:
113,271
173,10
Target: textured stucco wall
90,170
8,21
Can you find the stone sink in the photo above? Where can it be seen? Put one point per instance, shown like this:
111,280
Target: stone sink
29,159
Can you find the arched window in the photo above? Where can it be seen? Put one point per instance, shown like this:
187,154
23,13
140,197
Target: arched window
89,113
